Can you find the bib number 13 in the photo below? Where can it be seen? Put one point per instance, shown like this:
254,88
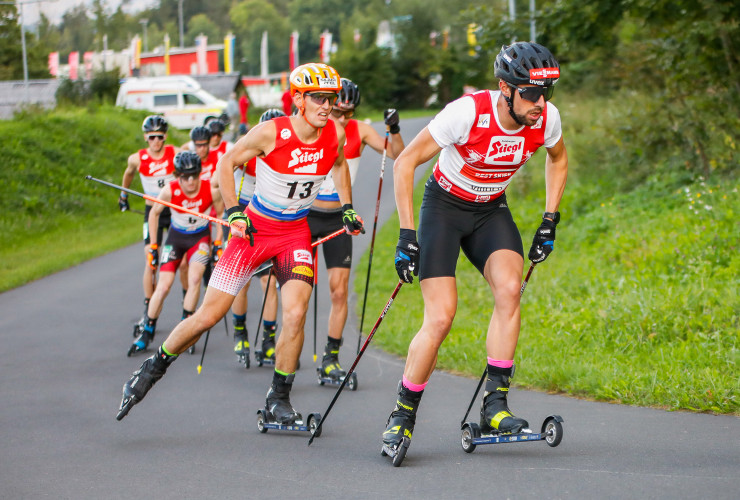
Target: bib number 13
305,193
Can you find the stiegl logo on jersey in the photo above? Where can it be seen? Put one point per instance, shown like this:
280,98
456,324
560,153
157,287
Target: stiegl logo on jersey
299,158
504,150
157,169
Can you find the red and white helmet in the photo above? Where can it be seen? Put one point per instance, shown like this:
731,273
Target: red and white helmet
314,77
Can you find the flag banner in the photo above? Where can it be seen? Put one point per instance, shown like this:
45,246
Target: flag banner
54,64
201,41
294,50
74,65
264,66
87,59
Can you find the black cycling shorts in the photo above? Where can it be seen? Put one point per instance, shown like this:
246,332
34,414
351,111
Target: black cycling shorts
164,223
338,250
447,224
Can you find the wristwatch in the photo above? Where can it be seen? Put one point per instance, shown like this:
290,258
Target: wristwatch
554,216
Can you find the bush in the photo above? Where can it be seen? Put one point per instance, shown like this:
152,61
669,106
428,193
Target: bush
103,89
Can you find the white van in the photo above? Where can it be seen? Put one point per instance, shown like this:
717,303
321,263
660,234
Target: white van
180,99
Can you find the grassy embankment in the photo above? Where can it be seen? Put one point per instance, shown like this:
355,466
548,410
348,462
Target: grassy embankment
638,304
53,218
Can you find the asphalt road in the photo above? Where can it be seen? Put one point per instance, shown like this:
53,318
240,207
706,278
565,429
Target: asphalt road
63,349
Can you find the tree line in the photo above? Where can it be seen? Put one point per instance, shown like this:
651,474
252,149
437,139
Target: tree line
681,56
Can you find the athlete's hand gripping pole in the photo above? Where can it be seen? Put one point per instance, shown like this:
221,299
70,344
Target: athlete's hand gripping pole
357,359
157,200
485,370
372,240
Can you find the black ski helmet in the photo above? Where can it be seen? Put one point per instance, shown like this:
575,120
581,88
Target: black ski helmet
200,134
216,127
523,63
270,114
154,123
349,95
187,163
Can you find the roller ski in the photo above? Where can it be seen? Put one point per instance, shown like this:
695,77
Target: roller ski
266,354
497,423
400,426
278,413
152,369
331,372
241,347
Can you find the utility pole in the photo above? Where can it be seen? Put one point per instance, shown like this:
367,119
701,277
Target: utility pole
532,26
21,3
182,31
144,23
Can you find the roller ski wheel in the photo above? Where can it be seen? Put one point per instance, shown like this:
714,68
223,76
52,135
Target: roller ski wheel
470,432
552,428
328,379
473,435
398,452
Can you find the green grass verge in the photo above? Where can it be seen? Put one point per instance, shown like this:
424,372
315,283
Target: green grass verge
637,305
52,217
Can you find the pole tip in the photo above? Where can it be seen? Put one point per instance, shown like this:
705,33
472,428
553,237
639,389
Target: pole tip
88,177
200,367
314,358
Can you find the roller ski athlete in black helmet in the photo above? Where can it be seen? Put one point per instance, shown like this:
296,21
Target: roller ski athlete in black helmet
189,240
325,217
483,138
156,167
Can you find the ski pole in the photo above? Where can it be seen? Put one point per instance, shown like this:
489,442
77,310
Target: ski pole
262,311
483,377
135,211
203,354
357,359
315,300
157,200
226,325
372,241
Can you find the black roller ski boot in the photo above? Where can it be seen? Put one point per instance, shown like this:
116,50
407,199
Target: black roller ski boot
139,325
151,370
495,416
331,371
144,338
400,425
266,355
241,346
278,409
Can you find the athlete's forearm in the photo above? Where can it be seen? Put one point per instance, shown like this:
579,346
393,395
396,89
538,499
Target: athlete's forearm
403,183
396,145
225,175
556,175
342,182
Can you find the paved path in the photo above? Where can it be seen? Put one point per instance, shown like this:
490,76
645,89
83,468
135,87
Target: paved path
63,341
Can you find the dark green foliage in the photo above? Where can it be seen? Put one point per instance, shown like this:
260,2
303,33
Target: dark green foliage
103,88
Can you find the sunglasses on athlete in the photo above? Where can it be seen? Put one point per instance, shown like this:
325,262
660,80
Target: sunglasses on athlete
155,138
533,94
338,113
189,177
319,98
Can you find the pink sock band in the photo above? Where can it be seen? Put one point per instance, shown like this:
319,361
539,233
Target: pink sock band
501,363
411,386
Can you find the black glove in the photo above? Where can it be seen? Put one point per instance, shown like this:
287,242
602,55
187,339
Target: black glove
153,256
544,238
352,222
123,202
240,224
407,256
390,117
